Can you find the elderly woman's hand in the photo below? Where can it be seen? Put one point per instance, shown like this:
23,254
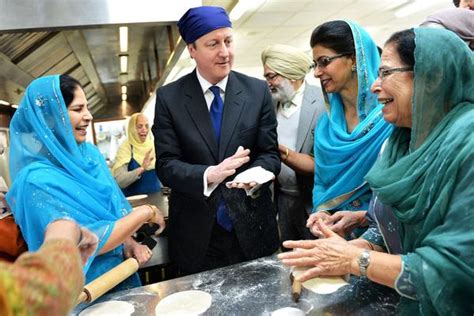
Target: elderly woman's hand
331,255
311,223
69,230
344,222
87,244
147,160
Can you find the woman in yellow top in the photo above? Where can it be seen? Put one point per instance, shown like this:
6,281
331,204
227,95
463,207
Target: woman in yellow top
134,167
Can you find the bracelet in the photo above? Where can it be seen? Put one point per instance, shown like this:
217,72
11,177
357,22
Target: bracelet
287,154
371,246
153,211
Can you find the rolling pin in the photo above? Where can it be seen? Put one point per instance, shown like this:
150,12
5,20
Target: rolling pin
108,280
295,288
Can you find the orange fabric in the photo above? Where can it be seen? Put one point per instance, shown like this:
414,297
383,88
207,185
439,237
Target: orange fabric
11,240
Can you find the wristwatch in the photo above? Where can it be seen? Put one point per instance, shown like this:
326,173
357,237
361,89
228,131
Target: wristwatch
364,261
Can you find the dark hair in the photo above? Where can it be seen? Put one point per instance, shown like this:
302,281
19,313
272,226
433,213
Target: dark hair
379,49
68,85
335,35
456,3
404,42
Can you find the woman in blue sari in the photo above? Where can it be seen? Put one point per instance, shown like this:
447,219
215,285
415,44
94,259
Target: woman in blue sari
348,138
56,174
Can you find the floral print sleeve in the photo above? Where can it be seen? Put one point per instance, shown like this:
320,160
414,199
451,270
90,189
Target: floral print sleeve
47,282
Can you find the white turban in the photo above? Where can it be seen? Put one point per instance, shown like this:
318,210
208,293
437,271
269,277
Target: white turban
287,61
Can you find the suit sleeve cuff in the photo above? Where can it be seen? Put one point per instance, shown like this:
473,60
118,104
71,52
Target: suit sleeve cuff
208,189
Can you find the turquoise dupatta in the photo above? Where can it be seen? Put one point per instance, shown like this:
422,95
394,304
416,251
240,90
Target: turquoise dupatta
343,159
426,175
54,177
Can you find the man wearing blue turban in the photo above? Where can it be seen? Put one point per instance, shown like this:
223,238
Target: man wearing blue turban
209,126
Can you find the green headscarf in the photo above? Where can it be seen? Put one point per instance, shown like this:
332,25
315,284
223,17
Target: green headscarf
426,174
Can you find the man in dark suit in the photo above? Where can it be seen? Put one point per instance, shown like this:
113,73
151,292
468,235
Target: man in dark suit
209,126
299,105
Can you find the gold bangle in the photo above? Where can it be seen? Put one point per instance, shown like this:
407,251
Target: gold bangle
153,211
287,153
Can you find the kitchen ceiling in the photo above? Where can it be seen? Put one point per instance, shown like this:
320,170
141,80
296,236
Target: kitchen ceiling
80,39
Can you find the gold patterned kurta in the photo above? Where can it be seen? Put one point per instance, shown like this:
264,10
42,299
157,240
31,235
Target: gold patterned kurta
47,282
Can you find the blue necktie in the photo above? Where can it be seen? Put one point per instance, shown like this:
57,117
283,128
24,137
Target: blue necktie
217,108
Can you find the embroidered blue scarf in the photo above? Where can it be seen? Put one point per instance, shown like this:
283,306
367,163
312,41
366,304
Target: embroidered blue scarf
342,159
54,177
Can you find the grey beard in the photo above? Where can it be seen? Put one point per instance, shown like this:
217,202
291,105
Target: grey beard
284,93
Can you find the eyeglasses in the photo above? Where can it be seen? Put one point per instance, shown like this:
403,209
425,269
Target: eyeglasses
324,61
270,76
384,72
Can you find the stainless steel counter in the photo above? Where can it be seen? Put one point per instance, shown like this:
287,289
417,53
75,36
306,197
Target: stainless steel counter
260,287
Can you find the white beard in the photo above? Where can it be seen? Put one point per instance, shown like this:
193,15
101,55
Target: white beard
284,92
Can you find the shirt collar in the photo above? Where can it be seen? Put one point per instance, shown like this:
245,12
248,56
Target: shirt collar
205,85
298,98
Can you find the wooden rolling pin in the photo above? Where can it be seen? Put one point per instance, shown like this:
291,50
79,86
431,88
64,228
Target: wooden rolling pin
295,288
108,280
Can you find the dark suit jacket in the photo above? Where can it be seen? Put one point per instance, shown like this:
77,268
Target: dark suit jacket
185,146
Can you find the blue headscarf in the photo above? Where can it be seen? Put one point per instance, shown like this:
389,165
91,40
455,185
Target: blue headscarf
54,177
199,21
343,159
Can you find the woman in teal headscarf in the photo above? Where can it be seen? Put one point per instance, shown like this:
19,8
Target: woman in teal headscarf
57,174
349,136
426,83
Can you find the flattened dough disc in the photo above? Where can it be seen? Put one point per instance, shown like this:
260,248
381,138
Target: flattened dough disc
321,285
184,303
109,308
288,311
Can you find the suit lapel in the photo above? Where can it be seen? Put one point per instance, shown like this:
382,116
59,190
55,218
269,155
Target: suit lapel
199,113
233,105
306,117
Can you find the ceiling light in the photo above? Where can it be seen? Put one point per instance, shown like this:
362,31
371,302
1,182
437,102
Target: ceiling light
2,102
124,97
15,106
123,63
124,89
243,6
123,32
